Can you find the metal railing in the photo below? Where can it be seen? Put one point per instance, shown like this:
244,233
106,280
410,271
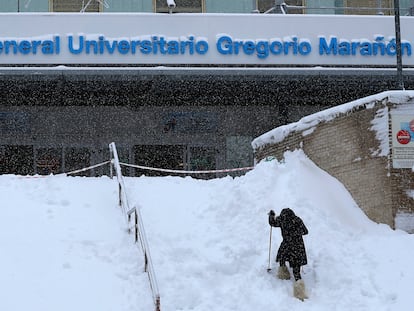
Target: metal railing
138,226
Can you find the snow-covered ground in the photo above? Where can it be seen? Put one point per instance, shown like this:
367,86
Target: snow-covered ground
64,245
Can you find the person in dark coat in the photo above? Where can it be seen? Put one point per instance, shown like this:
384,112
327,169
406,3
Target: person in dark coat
292,249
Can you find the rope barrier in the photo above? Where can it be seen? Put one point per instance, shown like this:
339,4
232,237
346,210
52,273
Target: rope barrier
152,169
187,172
87,168
69,173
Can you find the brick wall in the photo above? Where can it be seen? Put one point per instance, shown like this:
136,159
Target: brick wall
345,148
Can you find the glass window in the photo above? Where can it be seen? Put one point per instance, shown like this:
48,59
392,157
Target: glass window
202,159
48,161
75,5
369,7
16,159
407,7
324,6
181,6
265,5
272,6
127,6
238,152
24,5
190,122
77,158
158,156
239,6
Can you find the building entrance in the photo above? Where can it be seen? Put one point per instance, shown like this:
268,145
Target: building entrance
175,157
160,156
76,158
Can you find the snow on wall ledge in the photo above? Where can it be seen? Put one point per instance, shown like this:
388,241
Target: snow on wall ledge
308,123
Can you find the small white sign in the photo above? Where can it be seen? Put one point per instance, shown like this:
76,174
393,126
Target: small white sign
403,139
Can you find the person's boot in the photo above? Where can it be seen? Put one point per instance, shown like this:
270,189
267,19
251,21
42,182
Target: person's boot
299,290
283,273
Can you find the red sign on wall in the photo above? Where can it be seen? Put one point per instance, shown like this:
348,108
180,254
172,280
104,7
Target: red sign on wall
403,137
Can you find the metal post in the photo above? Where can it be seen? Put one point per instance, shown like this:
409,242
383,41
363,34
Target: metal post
136,227
270,250
111,163
120,194
255,9
379,7
157,304
400,79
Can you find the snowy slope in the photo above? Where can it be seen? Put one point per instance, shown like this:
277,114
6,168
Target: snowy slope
209,242
64,247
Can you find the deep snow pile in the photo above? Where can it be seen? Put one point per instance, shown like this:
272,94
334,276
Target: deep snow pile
209,243
64,247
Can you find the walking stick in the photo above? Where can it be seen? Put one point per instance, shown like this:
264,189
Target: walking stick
270,248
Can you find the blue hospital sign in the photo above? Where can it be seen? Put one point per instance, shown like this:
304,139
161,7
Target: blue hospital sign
210,39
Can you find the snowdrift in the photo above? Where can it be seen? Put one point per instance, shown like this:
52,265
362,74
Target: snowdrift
65,247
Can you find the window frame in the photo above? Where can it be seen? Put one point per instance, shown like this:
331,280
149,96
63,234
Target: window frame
51,3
